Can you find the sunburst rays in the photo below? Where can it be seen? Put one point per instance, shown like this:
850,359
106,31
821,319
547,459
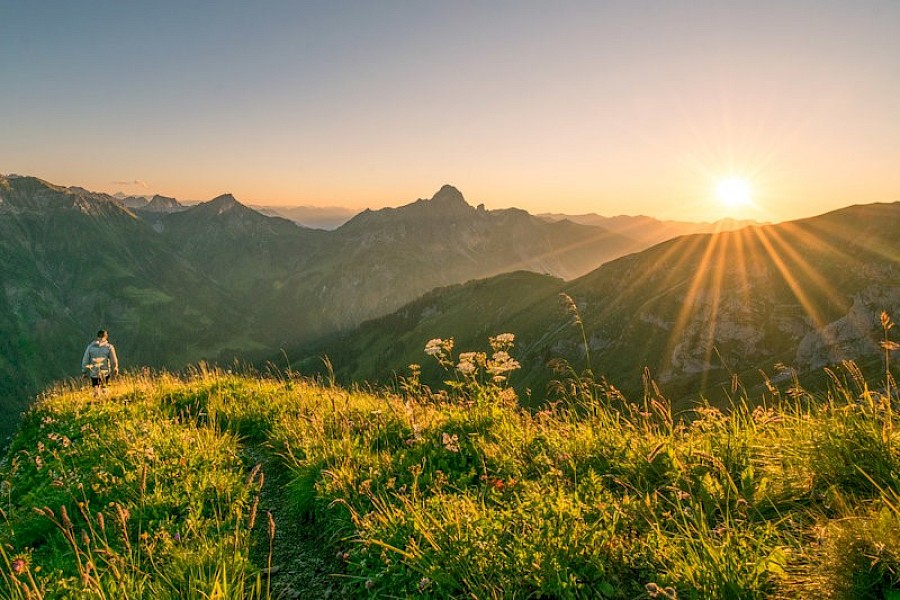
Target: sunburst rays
723,284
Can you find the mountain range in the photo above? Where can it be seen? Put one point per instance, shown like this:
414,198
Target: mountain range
700,312
648,230
217,280
177,283
315,217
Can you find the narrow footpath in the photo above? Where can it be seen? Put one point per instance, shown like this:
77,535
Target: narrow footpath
302,562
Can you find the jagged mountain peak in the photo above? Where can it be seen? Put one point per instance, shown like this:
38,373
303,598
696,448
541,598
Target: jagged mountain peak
224,205
449,195
224,201
23,193
163,204
447,203
226,213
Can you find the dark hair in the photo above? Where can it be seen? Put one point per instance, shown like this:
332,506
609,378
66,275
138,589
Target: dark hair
102,333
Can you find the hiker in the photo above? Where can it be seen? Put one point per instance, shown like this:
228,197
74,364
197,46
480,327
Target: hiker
100,361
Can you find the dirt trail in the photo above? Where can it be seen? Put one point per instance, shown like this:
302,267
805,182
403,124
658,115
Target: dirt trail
303,563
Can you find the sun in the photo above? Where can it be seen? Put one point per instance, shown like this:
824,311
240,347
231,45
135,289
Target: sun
733,192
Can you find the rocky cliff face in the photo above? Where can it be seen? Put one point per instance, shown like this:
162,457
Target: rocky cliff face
163,204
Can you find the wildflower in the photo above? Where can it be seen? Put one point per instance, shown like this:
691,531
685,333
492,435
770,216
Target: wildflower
450,442
436,346
508,397
501,356
369,584
467,368
501,362
502,341
653,590
177,537
18,566
423,584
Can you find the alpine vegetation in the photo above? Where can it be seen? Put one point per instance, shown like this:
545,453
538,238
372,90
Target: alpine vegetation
179,487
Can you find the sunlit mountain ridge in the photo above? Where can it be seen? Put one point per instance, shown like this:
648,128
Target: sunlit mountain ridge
647,229
696,311
219,280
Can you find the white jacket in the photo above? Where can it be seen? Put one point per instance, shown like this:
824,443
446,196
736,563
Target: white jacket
99,359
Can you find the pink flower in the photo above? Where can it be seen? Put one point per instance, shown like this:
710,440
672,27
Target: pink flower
18,566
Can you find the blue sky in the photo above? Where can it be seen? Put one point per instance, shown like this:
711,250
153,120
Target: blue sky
610,107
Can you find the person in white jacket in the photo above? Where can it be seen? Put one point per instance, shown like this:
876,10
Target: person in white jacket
100,361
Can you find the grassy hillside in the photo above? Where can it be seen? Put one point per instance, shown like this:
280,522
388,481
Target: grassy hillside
76,262
180,487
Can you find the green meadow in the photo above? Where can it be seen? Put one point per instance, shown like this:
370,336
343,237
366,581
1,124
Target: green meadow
179,486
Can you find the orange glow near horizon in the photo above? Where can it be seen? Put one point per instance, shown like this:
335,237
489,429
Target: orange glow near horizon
604,107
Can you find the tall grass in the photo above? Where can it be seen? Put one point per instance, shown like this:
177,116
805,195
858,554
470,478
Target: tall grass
126,496
457,492
436,493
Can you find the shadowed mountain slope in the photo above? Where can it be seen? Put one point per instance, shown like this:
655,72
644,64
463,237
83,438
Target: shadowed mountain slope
299,283
73,262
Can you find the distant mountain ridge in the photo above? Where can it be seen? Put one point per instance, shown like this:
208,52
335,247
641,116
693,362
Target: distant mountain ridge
218,279
314,217
648,230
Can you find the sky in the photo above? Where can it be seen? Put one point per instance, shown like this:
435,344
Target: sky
630,107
